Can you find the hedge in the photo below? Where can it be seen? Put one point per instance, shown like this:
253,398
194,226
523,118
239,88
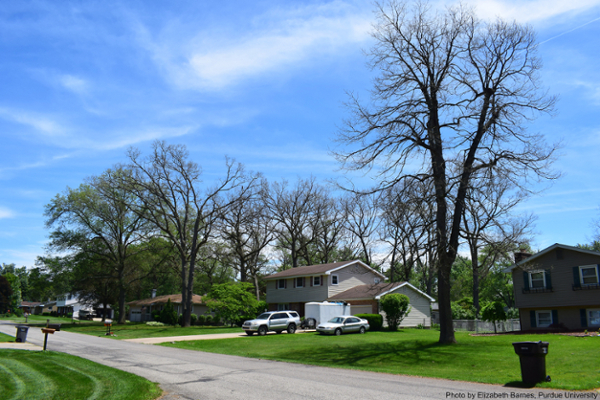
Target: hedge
375,320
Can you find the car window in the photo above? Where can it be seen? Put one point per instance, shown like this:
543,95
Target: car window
279,316
337,320
352,320
263,316
294,315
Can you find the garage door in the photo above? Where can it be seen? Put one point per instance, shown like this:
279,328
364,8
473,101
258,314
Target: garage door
361,309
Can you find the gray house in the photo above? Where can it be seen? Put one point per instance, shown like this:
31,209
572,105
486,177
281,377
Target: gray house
559,287
353,282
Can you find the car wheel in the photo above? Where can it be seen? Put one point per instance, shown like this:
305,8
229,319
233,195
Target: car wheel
249,333
278,332
262,331
362,329
291,328
338,332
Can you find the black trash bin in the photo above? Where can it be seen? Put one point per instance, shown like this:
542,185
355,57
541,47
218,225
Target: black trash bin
21,334
532,356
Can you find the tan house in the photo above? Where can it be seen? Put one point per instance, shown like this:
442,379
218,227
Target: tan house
559,287
350,281
293,288
142,310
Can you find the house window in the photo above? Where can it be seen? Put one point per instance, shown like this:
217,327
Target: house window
280,283
283,306
543,319
537,280
588,274
299,282
316,281
334,279
594,317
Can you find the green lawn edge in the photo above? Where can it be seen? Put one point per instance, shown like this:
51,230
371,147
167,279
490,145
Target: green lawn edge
572,362
53,375
141,330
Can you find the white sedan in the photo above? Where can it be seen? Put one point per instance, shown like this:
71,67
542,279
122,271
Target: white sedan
343,324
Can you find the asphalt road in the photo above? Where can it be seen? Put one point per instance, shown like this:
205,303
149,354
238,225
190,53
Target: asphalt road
185,374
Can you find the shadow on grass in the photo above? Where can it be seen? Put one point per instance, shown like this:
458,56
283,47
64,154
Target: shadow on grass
519,384
348,353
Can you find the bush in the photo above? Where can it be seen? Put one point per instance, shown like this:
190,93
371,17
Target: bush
193,319
201,320
375,320
156,316
209,320
154,323
396,307
45,314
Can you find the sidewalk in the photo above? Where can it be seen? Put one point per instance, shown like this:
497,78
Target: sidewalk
157,340
20,346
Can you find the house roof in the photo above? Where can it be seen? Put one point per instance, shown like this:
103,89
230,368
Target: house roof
319,269
30,303
374,291
546,251
175,298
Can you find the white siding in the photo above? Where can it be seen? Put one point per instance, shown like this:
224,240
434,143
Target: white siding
349,277
420,312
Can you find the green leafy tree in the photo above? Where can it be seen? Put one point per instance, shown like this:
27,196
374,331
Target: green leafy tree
493,311
96,220
396,307
5,294
168,315
233,302
14,300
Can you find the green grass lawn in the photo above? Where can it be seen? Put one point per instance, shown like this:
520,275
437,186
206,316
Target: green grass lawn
41,320
6,338
572,362
136,331
51,375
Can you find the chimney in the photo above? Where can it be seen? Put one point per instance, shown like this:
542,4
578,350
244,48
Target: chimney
521,255
153,293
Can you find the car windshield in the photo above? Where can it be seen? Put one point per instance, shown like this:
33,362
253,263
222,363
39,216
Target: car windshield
263,316
337,320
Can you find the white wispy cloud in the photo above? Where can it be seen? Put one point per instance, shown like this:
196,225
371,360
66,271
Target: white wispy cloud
75,84
530,11
283,40
6,213
41,123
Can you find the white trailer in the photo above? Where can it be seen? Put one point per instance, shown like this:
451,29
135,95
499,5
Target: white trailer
324,311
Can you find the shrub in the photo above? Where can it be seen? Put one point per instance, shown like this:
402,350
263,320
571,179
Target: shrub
493,312
154,323
45,314
193,319
201,320
375,320
396,307
209,320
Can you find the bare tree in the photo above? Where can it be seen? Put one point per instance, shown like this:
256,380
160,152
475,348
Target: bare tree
248,228
450,101
487,222
362,222
169,186
297,212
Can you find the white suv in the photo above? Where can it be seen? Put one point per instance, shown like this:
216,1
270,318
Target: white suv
277,321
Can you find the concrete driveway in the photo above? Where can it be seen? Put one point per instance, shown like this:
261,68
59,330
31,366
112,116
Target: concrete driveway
185,374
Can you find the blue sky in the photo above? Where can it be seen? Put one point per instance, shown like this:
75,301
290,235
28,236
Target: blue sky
263,82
